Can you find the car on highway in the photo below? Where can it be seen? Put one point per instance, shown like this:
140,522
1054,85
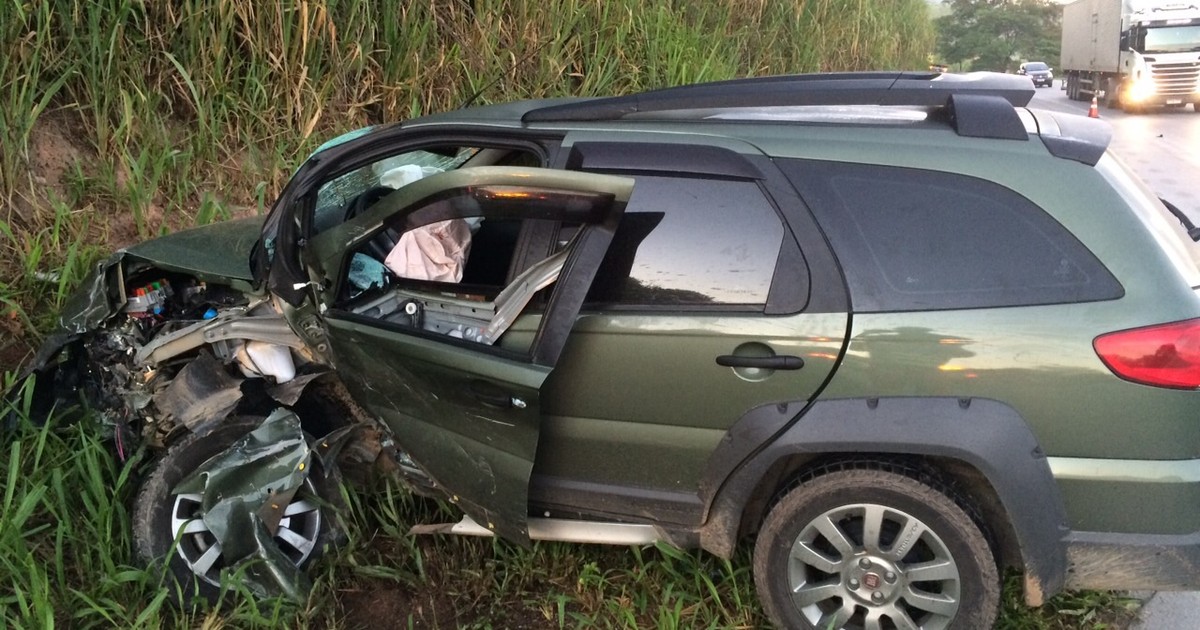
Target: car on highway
1039,72
838,317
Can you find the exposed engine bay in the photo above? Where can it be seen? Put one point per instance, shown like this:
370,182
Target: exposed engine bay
158,355
175,353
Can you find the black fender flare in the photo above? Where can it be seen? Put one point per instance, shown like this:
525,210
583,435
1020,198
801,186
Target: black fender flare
985,434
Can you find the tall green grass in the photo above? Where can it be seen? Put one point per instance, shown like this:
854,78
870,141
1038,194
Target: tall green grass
138,117
65,535
65,549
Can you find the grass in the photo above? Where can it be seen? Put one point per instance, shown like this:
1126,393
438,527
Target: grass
123,119
143,117
1098,610
65,548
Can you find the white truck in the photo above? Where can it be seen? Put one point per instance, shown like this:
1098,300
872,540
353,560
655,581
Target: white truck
1132,54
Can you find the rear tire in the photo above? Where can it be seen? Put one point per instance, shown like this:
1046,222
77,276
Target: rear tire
927,564
196,562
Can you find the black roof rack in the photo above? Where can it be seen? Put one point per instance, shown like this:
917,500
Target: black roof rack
920,89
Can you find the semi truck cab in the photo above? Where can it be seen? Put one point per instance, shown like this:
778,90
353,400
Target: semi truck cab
1160,56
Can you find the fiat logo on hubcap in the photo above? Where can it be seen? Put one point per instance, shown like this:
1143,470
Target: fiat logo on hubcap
871,581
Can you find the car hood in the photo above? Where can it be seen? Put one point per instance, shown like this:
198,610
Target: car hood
215,253
219,252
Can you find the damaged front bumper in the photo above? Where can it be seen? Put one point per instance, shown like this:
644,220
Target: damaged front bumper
157,351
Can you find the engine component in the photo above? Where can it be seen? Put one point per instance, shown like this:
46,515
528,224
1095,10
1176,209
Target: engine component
257,358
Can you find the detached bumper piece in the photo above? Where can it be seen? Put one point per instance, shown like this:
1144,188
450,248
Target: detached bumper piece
244,490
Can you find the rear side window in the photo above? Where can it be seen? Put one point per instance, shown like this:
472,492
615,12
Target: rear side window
691,242
912,239
1181,250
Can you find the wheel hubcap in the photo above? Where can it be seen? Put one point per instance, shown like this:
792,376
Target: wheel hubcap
200,550
873,580
858,565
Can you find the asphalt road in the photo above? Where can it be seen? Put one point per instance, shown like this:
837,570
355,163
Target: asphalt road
1163,148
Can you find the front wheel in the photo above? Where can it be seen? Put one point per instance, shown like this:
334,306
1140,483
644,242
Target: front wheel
874,547
159,517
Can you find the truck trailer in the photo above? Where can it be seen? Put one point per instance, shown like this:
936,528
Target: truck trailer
1132,54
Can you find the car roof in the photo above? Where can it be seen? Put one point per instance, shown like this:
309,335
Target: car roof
974,105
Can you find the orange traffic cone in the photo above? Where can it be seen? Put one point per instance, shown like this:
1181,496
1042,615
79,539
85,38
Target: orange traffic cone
1094,110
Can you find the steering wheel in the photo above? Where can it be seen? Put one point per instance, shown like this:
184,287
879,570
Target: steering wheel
382,244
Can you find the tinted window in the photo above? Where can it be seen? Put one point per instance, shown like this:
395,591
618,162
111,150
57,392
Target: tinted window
1172,237
689,241
914,240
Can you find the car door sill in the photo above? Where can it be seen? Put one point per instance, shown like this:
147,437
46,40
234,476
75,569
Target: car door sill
558,529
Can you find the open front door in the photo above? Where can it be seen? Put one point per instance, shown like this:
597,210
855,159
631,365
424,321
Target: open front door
421,287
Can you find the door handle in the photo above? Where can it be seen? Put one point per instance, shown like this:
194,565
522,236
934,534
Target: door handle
491,395
779,362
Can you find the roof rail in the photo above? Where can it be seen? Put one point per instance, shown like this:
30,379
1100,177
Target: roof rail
921,89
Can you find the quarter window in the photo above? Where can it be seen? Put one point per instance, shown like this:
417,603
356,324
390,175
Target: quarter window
912,239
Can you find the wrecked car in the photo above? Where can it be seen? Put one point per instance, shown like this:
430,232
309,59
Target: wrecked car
828,313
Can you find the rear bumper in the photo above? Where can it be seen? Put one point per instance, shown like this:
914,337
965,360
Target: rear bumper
1154,497
1120,498
1155,562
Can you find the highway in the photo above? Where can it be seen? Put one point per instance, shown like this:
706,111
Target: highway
1162,147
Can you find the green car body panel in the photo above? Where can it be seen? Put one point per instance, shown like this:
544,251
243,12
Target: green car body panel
408,381
218,252
661,437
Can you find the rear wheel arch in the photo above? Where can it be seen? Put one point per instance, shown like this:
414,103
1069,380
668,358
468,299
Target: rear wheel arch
840,494
981,447
968,486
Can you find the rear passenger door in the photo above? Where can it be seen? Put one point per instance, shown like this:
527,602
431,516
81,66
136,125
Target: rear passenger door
703,311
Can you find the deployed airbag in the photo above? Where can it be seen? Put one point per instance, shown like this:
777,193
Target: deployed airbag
437,251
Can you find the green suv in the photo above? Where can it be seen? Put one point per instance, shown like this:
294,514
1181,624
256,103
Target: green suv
829,314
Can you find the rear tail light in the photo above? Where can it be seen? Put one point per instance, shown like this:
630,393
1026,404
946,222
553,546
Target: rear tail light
1166,355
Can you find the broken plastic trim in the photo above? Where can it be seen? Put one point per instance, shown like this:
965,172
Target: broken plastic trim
244,491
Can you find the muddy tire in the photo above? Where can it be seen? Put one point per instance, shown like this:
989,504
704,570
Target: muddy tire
862,543
196,562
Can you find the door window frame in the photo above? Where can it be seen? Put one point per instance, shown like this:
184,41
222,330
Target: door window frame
559,314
